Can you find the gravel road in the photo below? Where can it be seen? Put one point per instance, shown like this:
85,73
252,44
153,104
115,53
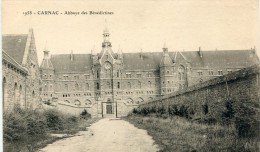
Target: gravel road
106,135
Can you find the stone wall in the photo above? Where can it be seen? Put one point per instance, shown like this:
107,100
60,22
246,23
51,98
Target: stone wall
210,98
13,86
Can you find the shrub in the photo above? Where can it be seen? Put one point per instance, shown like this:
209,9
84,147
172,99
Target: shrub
85,115
54,120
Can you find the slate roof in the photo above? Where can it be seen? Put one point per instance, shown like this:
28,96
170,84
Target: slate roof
46,64
151,60
14,46
10,60
63,63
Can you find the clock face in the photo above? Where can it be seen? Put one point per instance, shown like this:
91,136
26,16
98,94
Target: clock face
107,65
181,69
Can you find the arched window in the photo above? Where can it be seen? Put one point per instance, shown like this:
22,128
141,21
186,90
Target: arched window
118,85
181,71
139,85
4,91
129,85
21,94
15,92
87,86
33,96
149,83
108,85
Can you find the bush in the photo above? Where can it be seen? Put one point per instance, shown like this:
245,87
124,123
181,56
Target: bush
85,114
54,120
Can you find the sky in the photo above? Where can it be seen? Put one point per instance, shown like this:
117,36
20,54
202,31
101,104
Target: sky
135,25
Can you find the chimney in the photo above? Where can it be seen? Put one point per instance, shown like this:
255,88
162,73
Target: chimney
71,55
200,53
141,54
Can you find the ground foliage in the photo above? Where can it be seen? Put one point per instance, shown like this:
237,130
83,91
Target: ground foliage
27,129
177,134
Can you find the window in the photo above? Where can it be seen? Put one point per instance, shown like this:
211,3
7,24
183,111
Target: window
149,74
76,87
118,85
97,86
117,74
220,72
199,73
210,72
168,72
139,75
229,71
87,76
139,85
87,86
97,74
129,85
181,71
66,87
150,83
66,77
76,77
108,85
50,87
128,75
50,75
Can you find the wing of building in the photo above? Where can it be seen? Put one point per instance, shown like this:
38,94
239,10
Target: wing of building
20,71
106,84
112,84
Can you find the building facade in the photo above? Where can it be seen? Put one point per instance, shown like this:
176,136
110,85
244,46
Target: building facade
111,84
21,75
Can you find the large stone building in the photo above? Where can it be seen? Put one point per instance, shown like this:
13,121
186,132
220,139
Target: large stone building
21,77
107,83
111,84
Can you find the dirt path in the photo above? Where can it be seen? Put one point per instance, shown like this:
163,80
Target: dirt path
106,136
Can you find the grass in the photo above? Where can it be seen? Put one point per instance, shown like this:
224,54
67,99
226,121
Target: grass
181,135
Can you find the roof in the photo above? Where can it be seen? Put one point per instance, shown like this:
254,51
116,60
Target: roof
10,60
151,60
63,63
14,46
46,64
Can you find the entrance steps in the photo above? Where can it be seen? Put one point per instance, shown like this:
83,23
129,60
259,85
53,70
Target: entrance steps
109,116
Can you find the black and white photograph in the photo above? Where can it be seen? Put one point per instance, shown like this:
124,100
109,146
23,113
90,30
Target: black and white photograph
130,76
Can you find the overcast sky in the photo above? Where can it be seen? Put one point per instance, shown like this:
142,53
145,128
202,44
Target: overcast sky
135,25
